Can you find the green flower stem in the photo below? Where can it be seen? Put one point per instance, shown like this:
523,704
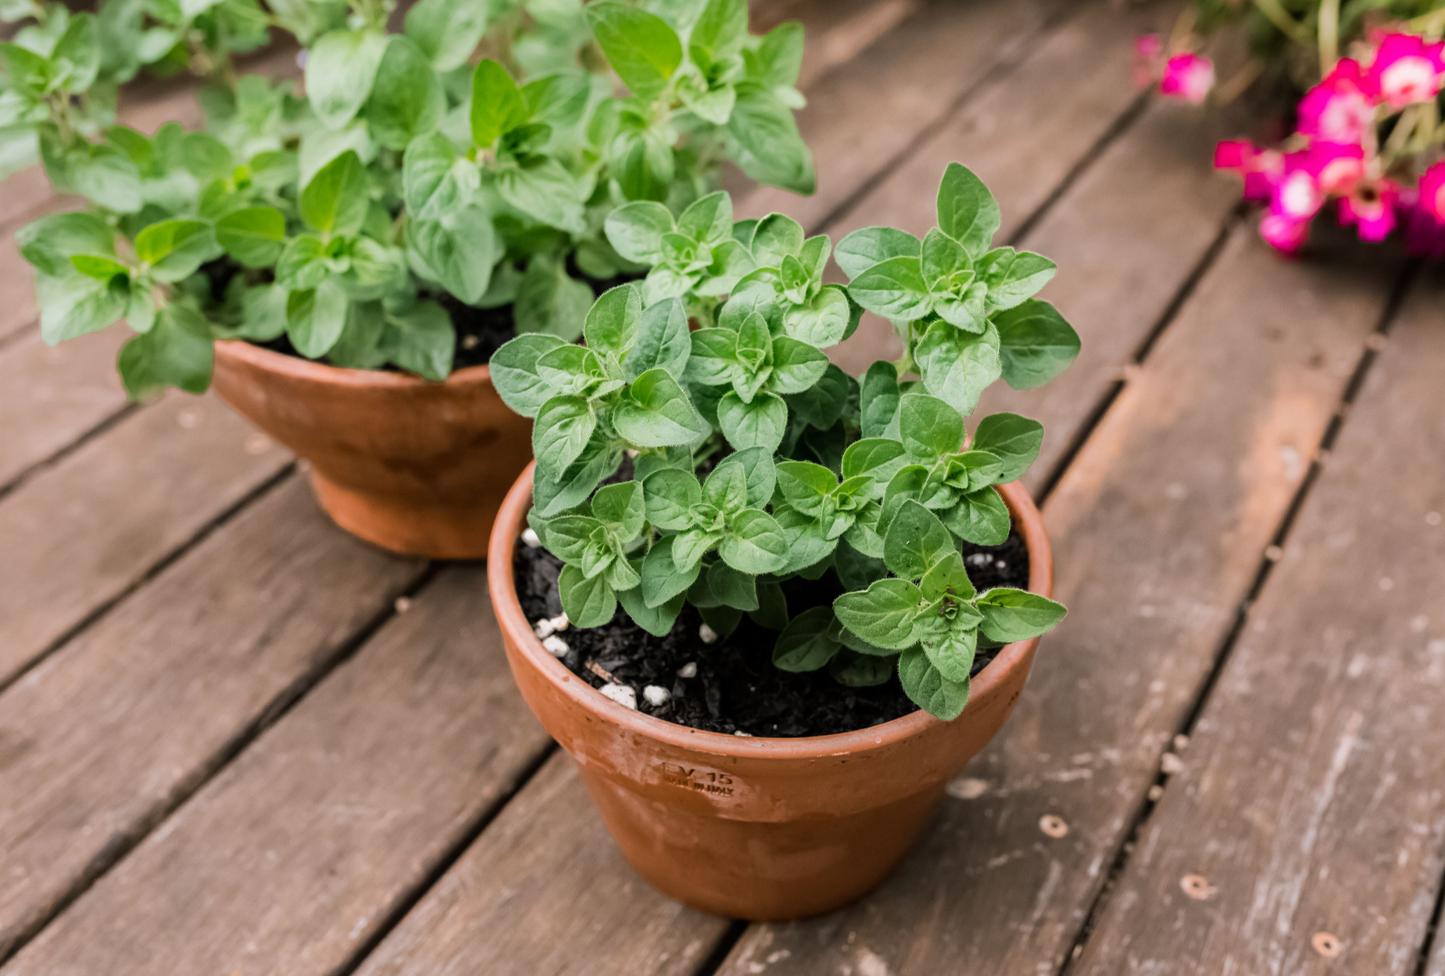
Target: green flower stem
1280,17
1329,31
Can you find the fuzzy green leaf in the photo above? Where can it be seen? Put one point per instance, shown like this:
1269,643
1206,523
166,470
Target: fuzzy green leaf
916,540
927,687
1035,344
1014,615
657,412
641,47
967,211
562,429
754,543
928,427
760,423
254,236
808,642
883,614
497,103
340,72
957,366
587,602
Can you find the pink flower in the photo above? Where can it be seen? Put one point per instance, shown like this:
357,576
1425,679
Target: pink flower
1432,192
1424,232
1147,49
1339,166
1261,168
1298,195
1338,109
1284,233
1371,206
1187,77
1406,70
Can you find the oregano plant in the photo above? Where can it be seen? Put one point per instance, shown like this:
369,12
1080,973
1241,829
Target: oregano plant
469,159
754,464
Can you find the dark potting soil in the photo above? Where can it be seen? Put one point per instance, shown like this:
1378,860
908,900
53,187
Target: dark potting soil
736,688
480,331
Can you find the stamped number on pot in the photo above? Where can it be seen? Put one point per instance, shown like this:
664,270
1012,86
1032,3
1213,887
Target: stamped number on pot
698,779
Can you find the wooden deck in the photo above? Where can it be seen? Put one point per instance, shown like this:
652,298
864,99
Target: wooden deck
233,740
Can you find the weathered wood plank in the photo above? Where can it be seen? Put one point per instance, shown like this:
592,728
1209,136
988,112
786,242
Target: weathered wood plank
77,535
22,194
874,106
49,396
294,856
1310,812
545,891
17,294
1023,133
834,30
102,739
1158,529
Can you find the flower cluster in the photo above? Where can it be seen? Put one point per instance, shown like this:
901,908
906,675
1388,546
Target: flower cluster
1367,138
1337,152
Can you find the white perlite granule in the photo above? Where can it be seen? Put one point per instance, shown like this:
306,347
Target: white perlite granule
529,538
548,626
656,695
688,670
621,694
556,646
708,635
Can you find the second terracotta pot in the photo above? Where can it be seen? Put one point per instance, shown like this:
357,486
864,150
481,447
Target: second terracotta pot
410,465
758,828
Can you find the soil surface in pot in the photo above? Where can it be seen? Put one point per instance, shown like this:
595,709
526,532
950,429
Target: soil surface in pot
480,331
735,687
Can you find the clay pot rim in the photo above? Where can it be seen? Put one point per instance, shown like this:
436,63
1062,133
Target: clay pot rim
500,581
308,370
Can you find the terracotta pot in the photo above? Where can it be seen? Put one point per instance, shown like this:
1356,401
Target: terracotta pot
413,466
757,828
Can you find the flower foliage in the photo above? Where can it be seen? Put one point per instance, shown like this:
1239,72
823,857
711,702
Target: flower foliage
756,464
405,174
1367,140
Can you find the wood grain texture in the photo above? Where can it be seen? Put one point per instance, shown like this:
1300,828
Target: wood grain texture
1312,796
17,293
865,112
51,395
104,737
24,193
545,891
834,30
78,534
1024,133
1158,529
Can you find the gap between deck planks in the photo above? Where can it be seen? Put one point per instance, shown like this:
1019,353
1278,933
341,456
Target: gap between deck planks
1312,795
307,843
99,742
80,535
994,15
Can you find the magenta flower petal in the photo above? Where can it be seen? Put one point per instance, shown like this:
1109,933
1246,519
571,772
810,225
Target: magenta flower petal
1432,192
1406,70
1187,77
1338,109
1284,233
